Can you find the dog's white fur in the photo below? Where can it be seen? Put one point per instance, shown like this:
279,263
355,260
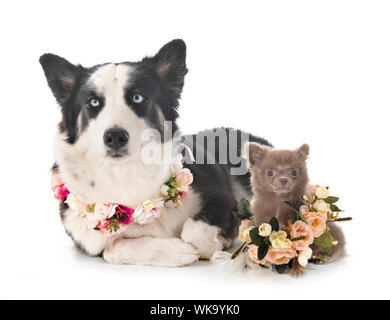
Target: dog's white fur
88,173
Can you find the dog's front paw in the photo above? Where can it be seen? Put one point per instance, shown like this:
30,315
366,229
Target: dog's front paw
171,252
175,253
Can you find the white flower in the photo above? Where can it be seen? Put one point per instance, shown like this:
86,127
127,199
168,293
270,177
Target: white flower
104,210
164,190
78,206
304,256
265,230
322,193
101,212
243,234
183,179
321,206
177,165
279,240
148,211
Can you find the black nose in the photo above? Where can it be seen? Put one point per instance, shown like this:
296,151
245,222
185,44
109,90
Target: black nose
116,138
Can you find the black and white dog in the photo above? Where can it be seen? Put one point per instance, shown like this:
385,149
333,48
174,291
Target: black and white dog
98,148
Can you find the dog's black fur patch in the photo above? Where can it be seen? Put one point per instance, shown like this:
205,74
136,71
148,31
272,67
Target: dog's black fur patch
214,182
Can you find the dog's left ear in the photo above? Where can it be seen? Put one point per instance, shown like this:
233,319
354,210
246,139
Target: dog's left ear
255,152
303,151
170,64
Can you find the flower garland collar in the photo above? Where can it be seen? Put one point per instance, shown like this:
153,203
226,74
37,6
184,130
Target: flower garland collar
113,218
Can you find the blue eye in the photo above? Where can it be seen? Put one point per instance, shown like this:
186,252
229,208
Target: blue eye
94,102
294,173
270,173
137,98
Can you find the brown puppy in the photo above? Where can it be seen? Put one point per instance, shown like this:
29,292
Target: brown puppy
276,176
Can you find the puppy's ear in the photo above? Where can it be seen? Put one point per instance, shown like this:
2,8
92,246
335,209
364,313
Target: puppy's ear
303,151
61,75
170,64
255,152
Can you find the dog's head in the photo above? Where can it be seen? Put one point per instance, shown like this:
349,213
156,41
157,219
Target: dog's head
106,108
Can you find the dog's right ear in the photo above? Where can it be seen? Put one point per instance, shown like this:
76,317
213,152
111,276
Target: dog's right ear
61,75
255,152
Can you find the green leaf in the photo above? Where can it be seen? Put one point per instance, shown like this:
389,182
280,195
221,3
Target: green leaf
280,268
238,216
299,215
256,239
325,241
274,224
262,251
243,208
335,208
291,205
331,199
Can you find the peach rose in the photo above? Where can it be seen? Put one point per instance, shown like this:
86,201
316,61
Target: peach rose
299,229
280,256
316,221
274,256
184,178
309,193
252,251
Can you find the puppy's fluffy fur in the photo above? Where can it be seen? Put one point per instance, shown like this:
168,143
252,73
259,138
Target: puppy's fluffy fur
277,176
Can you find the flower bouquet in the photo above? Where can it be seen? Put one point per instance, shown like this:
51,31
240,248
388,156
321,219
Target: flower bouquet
271,245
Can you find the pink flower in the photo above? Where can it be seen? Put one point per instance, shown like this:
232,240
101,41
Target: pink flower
280,256
57,186
274,256
300,229
60,192
182,195
104,211
124,214
316,221
252,251
184,178
148,211
56,181
103,225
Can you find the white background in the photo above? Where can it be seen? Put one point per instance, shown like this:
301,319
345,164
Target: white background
291,71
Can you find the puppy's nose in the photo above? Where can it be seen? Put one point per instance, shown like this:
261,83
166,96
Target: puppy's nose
283,181
115,138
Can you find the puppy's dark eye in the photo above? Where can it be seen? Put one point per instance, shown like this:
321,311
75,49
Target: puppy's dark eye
137,98
270,173
94,102
294,173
